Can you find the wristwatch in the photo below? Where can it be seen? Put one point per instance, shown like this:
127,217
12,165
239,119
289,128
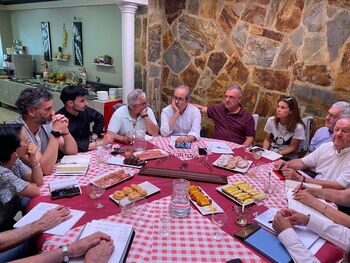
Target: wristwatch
65,253
144,116
56,134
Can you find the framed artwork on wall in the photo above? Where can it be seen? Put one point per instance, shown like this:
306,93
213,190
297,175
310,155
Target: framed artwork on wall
78,44
46,38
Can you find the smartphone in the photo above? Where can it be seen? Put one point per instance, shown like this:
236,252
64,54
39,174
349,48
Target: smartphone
235,260
183,145
247,231
61,193
202,151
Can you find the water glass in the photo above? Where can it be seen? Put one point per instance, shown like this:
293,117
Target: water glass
126,208
258,202
219,220
101,156
140,207
96,192
140,141
165,220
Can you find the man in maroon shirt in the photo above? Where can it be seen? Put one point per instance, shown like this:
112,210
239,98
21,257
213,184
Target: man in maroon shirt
231,121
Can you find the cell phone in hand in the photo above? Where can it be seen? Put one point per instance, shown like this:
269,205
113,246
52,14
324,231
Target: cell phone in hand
183,145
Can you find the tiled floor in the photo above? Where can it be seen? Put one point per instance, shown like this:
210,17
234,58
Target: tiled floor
7,113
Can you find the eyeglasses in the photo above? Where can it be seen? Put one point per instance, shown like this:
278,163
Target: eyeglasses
331,116
141,104
286,98
182,99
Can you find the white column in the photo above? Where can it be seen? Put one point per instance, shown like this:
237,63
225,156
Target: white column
128,47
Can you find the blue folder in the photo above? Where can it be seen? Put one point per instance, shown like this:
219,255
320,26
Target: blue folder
269,245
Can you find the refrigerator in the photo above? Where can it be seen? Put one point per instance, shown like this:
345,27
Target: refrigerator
21,66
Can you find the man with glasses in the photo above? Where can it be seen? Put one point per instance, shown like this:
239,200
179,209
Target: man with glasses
231,121
324,134
133,117
181,118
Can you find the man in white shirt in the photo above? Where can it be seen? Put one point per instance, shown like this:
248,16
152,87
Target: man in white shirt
132,117
285,220
331,160
181,118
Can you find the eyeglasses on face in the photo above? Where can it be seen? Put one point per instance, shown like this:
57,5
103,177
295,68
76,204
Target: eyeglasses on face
141,104
182,99
331,116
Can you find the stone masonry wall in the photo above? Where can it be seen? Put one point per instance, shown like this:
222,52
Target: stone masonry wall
268,47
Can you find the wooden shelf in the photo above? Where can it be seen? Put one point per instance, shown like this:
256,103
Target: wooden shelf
104,65
61,59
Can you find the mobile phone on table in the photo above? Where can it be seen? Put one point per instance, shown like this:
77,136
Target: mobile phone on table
202,151
247,231
183,145
66,192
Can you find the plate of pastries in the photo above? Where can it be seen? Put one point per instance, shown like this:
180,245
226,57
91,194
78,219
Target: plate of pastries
241,192
233,163
202,201
133,192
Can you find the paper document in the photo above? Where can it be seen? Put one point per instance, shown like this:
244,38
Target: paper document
42,208
306,236
63,183
218,147
73,165
273,156
294,184
302,208
120,233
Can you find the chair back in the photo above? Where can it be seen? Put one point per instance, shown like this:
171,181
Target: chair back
304,145
256,121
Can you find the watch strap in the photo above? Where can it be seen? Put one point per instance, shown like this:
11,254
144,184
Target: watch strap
144,116
65,252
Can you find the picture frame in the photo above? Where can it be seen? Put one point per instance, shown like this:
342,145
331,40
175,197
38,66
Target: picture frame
46,39
78,43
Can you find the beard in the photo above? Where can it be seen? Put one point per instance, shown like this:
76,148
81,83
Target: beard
41,120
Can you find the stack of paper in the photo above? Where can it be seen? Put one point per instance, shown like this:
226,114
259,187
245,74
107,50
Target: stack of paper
73,165
218,147
121,234
40,209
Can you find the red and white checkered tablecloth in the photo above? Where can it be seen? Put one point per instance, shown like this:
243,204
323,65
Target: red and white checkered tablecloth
189,240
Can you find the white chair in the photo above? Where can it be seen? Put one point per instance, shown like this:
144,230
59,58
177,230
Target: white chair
256,120
304,145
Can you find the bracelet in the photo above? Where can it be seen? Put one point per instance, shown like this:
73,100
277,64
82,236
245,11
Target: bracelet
325,209
36,166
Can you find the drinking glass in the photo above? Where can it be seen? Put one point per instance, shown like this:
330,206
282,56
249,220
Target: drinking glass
241,220
101,156
258,202
140,207
218,219
96,192
165,219
131,135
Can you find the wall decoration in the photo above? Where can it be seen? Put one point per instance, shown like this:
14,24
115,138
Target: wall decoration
78,43
45,35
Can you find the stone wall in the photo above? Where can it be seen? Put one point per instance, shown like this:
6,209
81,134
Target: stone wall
268,47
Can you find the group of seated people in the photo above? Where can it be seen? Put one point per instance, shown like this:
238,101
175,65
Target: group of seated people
32,143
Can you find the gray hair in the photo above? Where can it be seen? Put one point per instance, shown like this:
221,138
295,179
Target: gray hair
32,98
235,87
343,106
133,96
188,92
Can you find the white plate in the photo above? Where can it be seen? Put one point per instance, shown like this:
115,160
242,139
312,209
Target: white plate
131,174
219,188
149,187
206,210
164,154
236,169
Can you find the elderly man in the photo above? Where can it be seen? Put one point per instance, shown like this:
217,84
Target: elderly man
331,160
132,117
80,117
43,128
324,134
181,118
231,121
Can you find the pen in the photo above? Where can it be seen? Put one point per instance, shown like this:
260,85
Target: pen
271,221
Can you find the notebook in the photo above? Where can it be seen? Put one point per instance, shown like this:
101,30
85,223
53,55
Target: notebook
73,165
269,245
122,235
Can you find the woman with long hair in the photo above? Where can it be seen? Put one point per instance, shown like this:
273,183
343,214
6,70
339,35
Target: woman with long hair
16,179
286,129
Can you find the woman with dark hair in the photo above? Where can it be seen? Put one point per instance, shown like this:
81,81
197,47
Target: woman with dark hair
16,179
286,129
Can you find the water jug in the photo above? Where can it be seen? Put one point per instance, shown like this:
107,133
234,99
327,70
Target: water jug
180,203
140,141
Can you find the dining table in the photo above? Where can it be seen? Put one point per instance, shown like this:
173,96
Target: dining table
190,238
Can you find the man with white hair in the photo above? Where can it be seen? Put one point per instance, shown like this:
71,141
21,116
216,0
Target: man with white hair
324,134
132,117
181,118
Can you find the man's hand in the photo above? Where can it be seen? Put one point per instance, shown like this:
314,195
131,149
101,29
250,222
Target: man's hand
125,139
32,154
181,139
81,247
278,165
144,111
99,253
280,223
305,197
174,107
107,139
53,217
60,123
294,217
291,174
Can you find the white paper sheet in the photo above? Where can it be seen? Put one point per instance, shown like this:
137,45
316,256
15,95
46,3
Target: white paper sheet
218,147
42,208
273,156
63,183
